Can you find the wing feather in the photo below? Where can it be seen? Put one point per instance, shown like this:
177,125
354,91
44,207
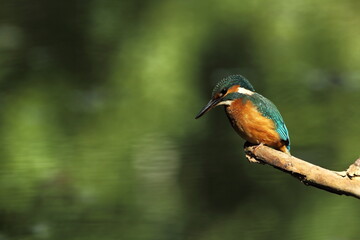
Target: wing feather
269,110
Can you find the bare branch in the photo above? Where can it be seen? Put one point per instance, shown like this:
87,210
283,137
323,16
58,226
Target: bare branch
354,169
346,182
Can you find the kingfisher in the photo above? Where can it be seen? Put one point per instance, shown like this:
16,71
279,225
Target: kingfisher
254,117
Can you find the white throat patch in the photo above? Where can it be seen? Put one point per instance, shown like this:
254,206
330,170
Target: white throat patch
244,91
228,103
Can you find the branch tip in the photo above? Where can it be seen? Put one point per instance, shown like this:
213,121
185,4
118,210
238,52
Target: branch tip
345,182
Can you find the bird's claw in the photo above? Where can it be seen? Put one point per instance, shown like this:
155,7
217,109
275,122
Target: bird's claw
250,157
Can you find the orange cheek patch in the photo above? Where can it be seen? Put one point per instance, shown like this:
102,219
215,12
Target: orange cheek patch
233,89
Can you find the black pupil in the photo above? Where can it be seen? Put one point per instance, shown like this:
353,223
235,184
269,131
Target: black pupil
223,91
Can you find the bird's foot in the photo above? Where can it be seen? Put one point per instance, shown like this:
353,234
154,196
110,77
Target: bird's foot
261,144
249,157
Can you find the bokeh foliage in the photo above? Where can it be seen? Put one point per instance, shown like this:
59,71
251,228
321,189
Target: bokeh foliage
98,100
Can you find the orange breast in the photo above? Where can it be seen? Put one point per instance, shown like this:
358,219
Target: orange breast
251,125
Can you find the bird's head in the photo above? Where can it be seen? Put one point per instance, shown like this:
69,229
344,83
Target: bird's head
226,91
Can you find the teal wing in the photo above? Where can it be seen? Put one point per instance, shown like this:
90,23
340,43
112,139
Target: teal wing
269,110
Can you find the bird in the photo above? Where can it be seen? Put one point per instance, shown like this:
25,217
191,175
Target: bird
254,117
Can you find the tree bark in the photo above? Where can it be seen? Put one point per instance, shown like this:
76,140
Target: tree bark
345,182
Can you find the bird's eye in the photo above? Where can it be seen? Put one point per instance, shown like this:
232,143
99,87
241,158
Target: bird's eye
223,92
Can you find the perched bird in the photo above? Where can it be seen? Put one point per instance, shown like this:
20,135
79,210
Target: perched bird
254,117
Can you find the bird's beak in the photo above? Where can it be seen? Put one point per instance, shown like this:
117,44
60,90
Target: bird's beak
211,104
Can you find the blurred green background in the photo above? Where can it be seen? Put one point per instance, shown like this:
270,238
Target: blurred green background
98,98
